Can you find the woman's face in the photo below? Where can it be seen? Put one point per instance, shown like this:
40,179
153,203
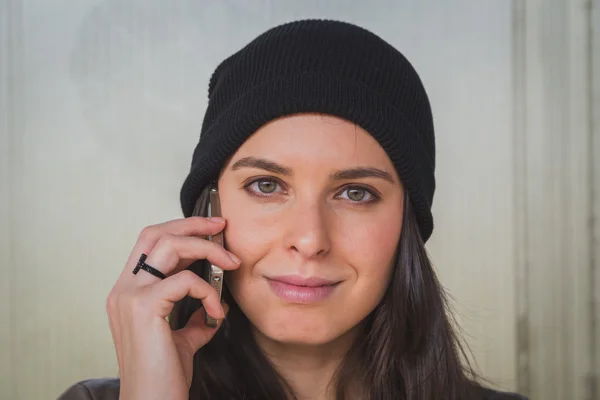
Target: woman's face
314,211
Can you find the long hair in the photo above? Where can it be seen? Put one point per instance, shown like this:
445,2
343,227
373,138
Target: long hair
408,349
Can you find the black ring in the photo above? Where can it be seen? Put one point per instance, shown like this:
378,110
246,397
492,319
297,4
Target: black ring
142,265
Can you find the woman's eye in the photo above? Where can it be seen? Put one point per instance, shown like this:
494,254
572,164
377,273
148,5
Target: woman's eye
358,194
265,186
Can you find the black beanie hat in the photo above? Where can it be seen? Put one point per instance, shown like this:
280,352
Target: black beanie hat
328,67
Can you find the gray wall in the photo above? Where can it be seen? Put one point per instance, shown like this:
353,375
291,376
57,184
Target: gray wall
101,101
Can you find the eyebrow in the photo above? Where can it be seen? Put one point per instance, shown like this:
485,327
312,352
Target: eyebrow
261,163
345,174
361,172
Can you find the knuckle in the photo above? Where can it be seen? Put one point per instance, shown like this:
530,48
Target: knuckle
111,302
187,276
149,233
167,240
118,302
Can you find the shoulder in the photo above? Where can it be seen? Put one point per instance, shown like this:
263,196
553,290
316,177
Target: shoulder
489,394
93,389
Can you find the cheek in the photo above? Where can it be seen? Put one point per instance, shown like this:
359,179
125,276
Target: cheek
369,245
251,237
370,252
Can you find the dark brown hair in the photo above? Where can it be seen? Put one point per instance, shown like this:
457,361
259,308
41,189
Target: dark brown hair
409,348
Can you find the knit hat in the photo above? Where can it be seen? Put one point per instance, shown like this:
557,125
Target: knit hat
328,67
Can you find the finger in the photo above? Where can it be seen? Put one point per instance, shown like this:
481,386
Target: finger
185,283
170,250
192,226
195,333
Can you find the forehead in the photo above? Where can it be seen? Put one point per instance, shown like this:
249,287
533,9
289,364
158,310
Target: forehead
315,138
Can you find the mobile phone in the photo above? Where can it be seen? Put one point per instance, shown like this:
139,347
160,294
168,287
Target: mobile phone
214,273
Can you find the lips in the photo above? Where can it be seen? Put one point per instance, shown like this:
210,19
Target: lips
296,289
312,281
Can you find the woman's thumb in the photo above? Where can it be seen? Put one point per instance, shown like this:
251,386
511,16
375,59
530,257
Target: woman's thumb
195,333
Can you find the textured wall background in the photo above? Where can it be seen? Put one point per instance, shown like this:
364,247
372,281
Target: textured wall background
103,100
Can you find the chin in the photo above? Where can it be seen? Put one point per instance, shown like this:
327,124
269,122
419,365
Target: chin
314,324
300,326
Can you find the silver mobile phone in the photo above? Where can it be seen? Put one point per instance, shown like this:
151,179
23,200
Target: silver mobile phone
214,273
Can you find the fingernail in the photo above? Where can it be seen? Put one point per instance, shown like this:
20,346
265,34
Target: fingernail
235,259
218,220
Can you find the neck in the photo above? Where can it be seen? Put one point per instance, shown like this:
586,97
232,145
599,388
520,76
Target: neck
308,369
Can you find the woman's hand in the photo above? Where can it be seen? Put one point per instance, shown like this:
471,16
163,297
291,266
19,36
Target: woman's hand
155,362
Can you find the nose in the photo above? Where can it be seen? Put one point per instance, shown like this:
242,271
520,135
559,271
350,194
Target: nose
307,231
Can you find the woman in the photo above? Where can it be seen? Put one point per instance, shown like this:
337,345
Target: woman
319,137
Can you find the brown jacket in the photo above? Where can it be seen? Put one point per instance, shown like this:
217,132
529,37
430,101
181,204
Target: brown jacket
108,389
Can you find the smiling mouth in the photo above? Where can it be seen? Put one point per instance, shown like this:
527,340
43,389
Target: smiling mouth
297,280
294,289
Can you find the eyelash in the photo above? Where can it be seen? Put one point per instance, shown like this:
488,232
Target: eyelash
375,197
